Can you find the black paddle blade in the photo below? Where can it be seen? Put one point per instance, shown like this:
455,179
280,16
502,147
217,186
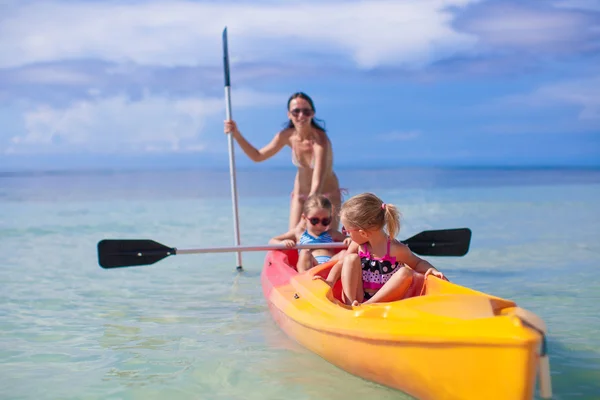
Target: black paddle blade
446,242
226,58
115,253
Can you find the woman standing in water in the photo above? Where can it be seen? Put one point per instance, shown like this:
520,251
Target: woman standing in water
311,153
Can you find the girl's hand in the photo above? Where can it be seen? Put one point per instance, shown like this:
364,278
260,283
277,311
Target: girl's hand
289,243
436,273
231,127
347,241
320,278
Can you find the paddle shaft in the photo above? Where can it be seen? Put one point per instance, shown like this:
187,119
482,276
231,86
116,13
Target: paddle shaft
337,245
232,177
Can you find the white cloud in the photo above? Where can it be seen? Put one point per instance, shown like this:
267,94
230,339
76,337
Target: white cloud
516,27
51,75
121,125
399,136
160,32
589,5
582,93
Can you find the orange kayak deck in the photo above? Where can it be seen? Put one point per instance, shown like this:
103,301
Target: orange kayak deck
451,343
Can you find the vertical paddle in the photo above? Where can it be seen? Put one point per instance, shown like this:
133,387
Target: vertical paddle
234,197
544,379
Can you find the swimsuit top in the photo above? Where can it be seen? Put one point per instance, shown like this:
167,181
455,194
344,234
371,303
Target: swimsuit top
296,161
307,238
377,271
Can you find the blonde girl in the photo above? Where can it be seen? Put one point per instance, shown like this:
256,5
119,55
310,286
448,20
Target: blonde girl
314,228
377,267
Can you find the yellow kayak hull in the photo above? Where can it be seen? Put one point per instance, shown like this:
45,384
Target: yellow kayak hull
449,343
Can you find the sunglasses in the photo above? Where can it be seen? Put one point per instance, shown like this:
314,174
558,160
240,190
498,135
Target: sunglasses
306,111
347,231
323,221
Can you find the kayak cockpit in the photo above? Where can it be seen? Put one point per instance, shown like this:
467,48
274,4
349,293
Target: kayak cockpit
436,297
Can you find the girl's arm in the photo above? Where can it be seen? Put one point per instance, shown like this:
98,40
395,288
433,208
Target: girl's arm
276,144
320,149
336,271
403,254
288,238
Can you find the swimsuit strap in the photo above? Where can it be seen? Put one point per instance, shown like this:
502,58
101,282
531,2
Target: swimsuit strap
387,256
365,252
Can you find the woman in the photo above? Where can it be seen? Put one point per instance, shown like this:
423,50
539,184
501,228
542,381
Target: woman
311,153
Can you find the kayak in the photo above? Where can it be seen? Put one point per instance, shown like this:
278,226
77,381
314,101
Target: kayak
446,342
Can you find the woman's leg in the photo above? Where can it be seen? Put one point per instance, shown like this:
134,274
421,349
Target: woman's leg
335,197
395,288
305,261
296,205
352,284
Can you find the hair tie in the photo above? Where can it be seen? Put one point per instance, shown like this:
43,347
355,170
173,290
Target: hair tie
383,206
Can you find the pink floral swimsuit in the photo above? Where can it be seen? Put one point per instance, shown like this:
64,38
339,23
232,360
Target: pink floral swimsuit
377,271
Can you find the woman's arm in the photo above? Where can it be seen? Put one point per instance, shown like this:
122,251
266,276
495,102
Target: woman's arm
337,236
320,149
276,144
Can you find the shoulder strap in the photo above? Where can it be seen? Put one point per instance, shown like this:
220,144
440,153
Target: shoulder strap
365,249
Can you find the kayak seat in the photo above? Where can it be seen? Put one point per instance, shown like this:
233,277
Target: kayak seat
292,255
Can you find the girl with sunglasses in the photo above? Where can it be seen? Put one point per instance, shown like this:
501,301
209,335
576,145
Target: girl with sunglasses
312,154
314,228
377,268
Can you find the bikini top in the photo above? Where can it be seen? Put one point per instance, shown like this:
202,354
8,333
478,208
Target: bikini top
296,162
307,238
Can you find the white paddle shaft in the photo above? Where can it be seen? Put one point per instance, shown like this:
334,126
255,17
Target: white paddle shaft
239,249
232,179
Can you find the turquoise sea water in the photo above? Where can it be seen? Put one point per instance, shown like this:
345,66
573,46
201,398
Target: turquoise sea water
189,327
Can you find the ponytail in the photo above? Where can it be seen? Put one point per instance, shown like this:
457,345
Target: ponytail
391,217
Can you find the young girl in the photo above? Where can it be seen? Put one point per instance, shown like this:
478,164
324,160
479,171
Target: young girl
373,269
313,228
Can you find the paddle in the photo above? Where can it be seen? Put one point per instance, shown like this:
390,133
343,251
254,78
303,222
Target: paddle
232,179
115,253
538,324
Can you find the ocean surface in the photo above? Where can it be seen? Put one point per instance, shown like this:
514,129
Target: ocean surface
190,327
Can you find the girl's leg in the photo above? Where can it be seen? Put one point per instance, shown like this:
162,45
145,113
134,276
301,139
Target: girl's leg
336,271
305,261
395,288
352,284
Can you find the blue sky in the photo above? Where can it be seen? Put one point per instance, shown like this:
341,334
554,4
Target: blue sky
129,84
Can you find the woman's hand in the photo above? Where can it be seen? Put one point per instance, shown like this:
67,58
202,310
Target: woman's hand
231,127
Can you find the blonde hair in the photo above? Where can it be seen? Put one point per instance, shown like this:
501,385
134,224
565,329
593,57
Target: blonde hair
366,211
317,201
